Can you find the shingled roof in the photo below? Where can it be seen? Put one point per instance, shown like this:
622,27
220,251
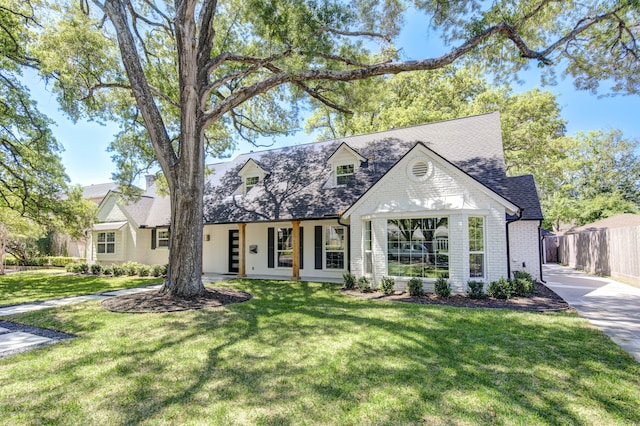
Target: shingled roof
296,184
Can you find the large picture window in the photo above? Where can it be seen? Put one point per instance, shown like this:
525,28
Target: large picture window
284,249
476,247
334,247
106,242
418,247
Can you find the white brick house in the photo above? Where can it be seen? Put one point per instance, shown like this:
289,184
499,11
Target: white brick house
424,201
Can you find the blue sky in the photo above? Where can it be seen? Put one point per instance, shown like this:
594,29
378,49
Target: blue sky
87,161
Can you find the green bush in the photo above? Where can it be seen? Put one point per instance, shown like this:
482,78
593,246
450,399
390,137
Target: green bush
157,270
131,268
349,280
96,269
118,270
476,290
500,289
144,270
83,268
364,284
107,270
70,267
387,285
414,286
442,287
521,287
522,275
62,261
35,261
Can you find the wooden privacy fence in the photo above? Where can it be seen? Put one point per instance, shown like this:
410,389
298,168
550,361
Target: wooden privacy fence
612,252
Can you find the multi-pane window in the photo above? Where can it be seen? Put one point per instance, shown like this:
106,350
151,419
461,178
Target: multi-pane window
476,247
344,173
250,182
334,247
106,242
162,238
418,247
368,259
284,249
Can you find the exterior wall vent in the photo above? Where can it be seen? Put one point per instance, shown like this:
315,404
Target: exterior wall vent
420,169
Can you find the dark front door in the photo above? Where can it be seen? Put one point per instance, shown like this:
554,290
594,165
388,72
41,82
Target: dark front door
234,250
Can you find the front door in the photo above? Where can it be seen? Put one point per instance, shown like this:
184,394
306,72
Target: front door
234,250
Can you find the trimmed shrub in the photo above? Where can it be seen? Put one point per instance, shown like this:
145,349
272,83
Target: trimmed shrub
144,270
500,289
522,275
118,270
83,268
364,284
62,261
387,285
349,280
442,287
157,270
414,286
131,268
476,290
96,269
107,270
70,267
521,287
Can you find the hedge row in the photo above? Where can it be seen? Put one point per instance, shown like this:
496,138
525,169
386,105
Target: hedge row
129,268
59,261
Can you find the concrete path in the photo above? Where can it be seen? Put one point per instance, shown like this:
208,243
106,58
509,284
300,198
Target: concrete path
15,338
611,306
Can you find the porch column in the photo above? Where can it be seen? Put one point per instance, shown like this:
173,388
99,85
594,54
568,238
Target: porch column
295,269
242,268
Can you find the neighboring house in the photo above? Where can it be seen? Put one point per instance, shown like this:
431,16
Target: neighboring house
426,201
609,247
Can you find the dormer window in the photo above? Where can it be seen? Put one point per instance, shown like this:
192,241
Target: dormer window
344,173
250,182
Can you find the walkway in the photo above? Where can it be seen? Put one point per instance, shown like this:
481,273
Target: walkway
609,305
16,338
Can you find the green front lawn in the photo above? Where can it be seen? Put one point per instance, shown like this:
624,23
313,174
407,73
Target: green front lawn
45,284
302,353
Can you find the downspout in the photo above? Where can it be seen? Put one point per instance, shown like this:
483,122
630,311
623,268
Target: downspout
540,250
519,216
348,226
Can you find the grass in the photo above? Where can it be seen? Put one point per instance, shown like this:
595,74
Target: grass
302,353
38,285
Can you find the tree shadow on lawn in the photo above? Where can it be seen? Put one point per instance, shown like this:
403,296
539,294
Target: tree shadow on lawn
302,351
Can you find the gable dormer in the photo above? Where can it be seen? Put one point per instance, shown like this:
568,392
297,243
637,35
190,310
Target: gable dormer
343,163
251,174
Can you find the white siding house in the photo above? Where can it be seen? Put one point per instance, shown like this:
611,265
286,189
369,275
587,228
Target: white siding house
424,201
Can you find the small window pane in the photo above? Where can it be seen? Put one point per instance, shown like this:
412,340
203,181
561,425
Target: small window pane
344,173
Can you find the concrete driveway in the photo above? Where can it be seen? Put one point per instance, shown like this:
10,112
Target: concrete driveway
611,306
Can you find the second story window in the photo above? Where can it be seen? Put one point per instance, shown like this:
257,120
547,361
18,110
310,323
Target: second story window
250,182
343,174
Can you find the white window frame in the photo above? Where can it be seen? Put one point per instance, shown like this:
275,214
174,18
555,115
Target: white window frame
162,238
367,235
476,251
287,234
341,173
105,244
329,248
254,181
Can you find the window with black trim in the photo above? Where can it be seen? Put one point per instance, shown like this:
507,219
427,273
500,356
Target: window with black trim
368,259
106,243
418,247
344,174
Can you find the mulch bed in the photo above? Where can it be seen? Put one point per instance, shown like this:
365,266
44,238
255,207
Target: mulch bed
543,299
155,301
